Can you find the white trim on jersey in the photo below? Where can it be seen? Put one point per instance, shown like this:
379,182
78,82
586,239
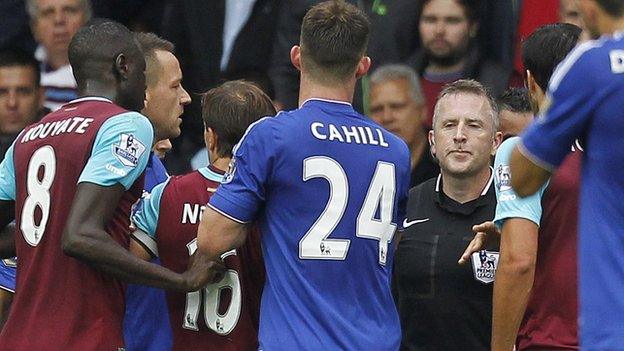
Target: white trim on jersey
89,98
326,100
227,215
489,183
245,135
146,241
564,67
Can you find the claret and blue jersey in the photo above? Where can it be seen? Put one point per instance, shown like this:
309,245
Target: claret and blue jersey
328,188
587,93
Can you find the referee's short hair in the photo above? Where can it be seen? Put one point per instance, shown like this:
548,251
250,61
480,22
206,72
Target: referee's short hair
468,86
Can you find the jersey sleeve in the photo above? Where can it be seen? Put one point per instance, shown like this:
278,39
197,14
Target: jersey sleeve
243,188
572,98
120,151
145,218
7,176
508,203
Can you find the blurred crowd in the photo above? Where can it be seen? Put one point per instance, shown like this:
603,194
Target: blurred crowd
218,40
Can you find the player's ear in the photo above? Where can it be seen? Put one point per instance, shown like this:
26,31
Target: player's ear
121,66
295,57
363,67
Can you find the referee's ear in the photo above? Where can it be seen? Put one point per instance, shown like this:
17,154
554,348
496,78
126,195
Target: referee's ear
432,146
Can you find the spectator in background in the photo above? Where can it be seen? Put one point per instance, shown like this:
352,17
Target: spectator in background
21,101
515,112
54,23
217,40
442,305
397,103
393,39
448,29
21,97
14,29
569,13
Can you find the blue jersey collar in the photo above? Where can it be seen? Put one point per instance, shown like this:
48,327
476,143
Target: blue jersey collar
212,173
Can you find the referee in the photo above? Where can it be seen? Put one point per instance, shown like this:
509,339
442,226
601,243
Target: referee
442,305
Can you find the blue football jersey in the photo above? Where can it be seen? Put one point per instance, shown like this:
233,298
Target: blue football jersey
146,322
328,188
587,95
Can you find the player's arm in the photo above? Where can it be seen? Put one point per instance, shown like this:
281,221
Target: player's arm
139,251
6,298
514,280
85,238
118,158
486,233
528,176
218,234
7,205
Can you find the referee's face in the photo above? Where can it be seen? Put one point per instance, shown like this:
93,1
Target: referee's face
463,137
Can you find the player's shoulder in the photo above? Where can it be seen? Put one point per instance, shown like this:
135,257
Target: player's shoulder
600,57
505,149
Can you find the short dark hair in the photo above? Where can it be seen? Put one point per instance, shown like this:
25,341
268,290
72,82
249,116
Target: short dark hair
515,100
614,8
95,46
334,37
150,43
546,47
470,9
230,108
12,58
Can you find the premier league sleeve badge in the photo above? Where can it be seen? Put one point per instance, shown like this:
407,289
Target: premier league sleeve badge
484,265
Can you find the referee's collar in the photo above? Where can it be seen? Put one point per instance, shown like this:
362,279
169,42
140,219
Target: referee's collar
467,208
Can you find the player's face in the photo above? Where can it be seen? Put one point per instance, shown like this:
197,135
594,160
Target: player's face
56,23
444,30
462,138
162,147
513,123
20,98
392,106
165,98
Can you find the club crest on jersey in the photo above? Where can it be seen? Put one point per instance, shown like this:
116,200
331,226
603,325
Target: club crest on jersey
503,178
484,265
229,174
129,150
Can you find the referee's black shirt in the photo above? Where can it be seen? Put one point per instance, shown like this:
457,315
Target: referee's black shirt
441,304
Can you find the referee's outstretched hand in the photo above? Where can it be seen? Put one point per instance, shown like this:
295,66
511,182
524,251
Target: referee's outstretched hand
484,234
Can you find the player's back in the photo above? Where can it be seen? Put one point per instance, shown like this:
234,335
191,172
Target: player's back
62,303
336,184
595,85
223,315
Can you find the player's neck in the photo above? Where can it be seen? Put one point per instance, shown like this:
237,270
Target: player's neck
221,164
313,90
97,88
465,188
614,25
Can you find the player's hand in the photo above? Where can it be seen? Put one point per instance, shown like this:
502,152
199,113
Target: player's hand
201,271
484,233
